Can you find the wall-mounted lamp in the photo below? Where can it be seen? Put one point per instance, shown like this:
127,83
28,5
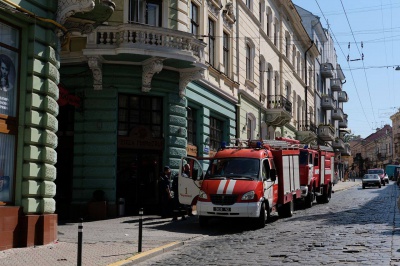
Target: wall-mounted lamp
207,140
244,127
397,68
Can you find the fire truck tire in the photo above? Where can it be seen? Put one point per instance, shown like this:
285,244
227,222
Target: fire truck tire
263,217
286,210
309,198
203,221
326,197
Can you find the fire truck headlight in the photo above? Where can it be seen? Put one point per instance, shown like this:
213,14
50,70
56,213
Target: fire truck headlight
202,195
248,196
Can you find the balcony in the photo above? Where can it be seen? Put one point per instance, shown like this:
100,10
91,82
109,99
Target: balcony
336,85
337,114
327,70
346,151
279,111
338,144
307,132
343,123
327,102
326,132
134,43
342,96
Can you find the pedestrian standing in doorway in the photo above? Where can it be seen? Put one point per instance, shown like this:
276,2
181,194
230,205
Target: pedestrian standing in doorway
165,192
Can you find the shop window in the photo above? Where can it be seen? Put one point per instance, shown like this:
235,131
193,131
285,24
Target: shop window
9,66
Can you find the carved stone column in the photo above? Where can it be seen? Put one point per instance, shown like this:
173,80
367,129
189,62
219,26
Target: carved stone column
187,77
149,69
95,64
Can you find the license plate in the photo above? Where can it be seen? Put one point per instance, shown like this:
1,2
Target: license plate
222,209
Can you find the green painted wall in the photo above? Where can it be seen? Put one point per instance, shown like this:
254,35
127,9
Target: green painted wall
38,109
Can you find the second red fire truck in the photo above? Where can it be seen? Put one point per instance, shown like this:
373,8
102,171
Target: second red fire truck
254,178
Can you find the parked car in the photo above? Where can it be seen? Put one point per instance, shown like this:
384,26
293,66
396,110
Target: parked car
386,179
371,180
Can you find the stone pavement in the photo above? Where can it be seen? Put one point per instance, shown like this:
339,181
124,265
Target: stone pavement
115,241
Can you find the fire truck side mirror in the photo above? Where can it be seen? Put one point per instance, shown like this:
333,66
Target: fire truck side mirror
272,175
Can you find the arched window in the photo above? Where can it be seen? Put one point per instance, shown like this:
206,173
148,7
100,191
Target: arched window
251,123
250,59
269,21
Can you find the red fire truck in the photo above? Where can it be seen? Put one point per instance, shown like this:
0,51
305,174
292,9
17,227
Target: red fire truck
252,179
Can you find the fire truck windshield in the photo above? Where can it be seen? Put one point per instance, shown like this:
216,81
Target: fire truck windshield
234,168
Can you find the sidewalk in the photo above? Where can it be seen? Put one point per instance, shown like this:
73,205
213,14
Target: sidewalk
115,241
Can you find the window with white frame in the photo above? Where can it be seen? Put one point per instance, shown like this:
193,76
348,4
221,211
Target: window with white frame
194,19
249,60
145,12
269,21
250,125
269,79
287,45
226,52
262,74
249,4
211,42
276,25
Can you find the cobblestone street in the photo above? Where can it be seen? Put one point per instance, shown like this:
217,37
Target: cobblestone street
357,227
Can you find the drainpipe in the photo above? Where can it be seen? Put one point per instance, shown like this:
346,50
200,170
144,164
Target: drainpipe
305,87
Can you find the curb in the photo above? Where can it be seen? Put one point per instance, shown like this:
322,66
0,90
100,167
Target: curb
140,257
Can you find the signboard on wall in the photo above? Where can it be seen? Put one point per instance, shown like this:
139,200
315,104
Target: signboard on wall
140,137
191,150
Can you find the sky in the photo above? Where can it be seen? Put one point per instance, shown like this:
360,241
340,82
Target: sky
372,28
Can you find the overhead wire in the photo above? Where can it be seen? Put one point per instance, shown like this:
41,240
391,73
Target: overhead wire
365,73
351,73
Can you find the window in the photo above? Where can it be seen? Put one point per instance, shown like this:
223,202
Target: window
191,127
248,62
194,19
269,20
250,58
211,42
262,73
249,127
248,4
145,12
215,133
287,45
269,79
226,53
276,33
138,110
294,56
9,66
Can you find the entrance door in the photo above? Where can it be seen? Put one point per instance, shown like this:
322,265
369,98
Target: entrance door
137,180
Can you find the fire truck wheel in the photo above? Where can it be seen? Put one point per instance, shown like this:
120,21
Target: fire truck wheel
309,198
326,197
286,210
203,221
263,217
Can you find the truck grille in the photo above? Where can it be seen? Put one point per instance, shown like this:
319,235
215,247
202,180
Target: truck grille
219,199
